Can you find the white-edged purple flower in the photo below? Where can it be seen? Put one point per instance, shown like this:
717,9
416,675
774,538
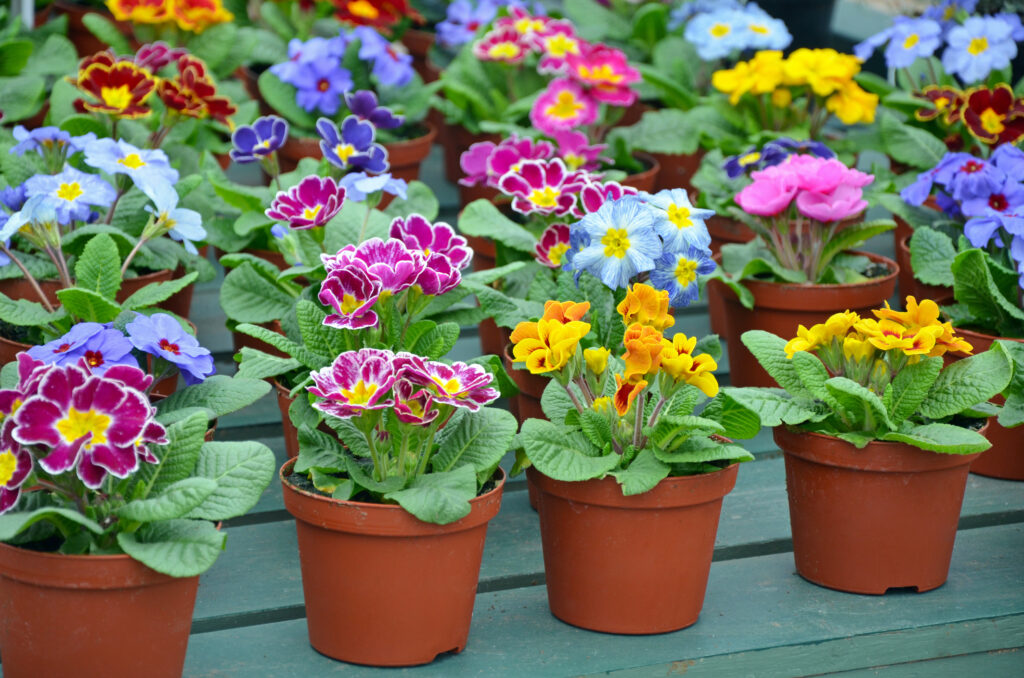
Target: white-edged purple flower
254,142
74,193
438,276
418,233
390,261
312,202
15,466
161,336
351,290
545,187
181,223
355,382
352,147
459,384
141,165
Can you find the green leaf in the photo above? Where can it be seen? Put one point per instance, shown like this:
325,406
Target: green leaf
668,130
910,145
282,343
975,287
813,375
77,125
14,54
219,394
259,365
967,382
419,200
700,449
482,219
24,312
13,524
944,438
931,256
246,296
175,501
104,29
596,427
153,293
642,474
319,450
770,352
595,22
56,57
556,402
241,472
178,457
437,342
773,406
88,305
178,548
21,96
98,269
910,387
478,439
738,420
281,97
441,497
564,456
862,405
851,237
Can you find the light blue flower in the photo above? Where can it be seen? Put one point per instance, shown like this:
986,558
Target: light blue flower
622,244
678,222
358,185
74,192
182,224
981,45
945,12
909,40
717,34
141,165
688,10
37,210
678,273
48,139
392,67
762,31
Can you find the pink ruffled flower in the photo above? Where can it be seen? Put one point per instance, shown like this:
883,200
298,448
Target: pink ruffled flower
556,43
473,162
575,149
414,404
438,275
15,465
596,193
357,381
552,246
486,161
820,175
419,234
562,106
458,384
502,44
546,187
313,202
768,195
839,204
351,290
605,73
389,261
522,22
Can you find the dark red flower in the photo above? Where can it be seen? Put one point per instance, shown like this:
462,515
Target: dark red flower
118,87
947,101
382,14
993,116
193,93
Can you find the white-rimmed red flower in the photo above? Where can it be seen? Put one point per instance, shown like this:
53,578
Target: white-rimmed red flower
351,290
312,202
552,246
458,384
418,233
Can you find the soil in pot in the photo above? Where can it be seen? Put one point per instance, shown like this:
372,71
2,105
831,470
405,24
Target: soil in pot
425,576
866,521
632,565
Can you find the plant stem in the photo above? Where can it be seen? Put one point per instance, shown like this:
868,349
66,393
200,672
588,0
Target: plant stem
28,276
131,255
572,397
62,266
113,206
638,420
366,222
378,467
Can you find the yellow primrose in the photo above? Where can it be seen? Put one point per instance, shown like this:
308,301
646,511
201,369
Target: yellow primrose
852,104
858,348
782,98
645,305
888,335
761,75
565,311
643,351
825,71
602,405
839,324
806,339
596,359
917,314
678,362
546,345
625,393
948,342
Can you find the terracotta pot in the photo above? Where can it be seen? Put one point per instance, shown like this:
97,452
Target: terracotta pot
54,609
909,285
677,171
869,520
250,80
647,179
609,560
408,587
458,140
87,44
492,337
725,231
418,43
484,252
291,434
780,307
633,113
20,288
526,405
468,194
1005,459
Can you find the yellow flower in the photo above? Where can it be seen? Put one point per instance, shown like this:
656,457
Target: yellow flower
643,351
597,359
547,345
760,75
602,405
625,393
917,314
806,339
564,311
839,324
949,342
782,98
678,361
853,105
858,348
645,305
887,335
824,70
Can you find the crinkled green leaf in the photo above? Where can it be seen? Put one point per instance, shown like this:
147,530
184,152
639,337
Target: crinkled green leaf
944,438
178,548
174,501
440,497
563,455
241,470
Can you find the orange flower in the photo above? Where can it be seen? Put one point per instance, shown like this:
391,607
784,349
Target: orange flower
198,15
565,311
546,345
625,393
140,11
193,93
643,351
645,305
949,342
678,361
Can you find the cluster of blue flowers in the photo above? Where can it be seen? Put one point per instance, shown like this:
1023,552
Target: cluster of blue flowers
315,69
463,19
719,28
660,236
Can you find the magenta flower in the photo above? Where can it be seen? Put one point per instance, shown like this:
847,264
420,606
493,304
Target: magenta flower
841,203
501,44
546,187
473,162
556,43
351,290
419,234
768,195
576,151
391,262
605,73
313,202
487,162
553,244
596,193
564,105
357,381
414,404
15,465
458,384
438,276
813,173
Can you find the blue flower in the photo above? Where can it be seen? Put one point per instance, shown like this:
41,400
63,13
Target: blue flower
45,140
717,34
463,20
1017,253
688,10
579,239
323,50
981,45
74,193
761,31
1009,159
391,67
945,12
678,273
358,185
256,141
101,346
679,223
278,231
182,224
363,105
909,39
320,85
623,242
38,210
120,157
13,197
961,174
161,336
353,146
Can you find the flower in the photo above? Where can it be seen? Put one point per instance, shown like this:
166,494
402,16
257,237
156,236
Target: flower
181,223
807,339
992,115
463,20
626,393
487,162
15,465
556,42
355,382
162,336
418,233
100,346
382,14
980,45
644,305
458,384
312,202
768,195
565,311
886,335
678,361
353,146
258,140
545,187
118,88
438,275
715,35
363,104
562,106
605,74
414,404
839,204
678,222
596,193
141,11
552,245
323,51
156,55
48,139
119,157
193,93
360,184
548,344
946,102
826,71
596,359
501,44
909,39
38,211
623,242
320,85
764,31
522,21
351,290
760,75
74,193
852,104
576,151
198,15
643,346
392,67
677,273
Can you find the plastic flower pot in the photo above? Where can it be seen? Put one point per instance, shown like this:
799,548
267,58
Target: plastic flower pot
419,42
20,288
909,285
869,520
381,587
632,565
648,178
291,434
780,307
66,615
240,341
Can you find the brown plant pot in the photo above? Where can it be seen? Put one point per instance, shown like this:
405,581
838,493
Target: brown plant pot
605,555
780,307
492,337
726,231
419,42
526,405
408,587
458,139
677,171
468,194
866,521
291,434
647,179
20,288
1005,459
909,285
54,609
405,157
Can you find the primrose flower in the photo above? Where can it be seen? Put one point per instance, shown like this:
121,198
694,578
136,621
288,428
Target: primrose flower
556,43
419,234
677,273
360,184
74,193
39,211
198,15
643,346
678,361
15,465
391,66
502,44
626,393
363,104
353,146
438,276
594,194
526,24
381,14
458,384
300,53
548,344
357,381
414,404
946,103
852,104
463,19
351,290
320,85
909,39
678,222
312,202
596,359
888,335
605,74
487,162
993,116
45,140
763,31
716,34
623,242
760,75
258,140
550,249
980,45
100,346
181,223
156,55
547,187
118,88
161,336
807,339
644,305
562,106
575,150
192,92
141,165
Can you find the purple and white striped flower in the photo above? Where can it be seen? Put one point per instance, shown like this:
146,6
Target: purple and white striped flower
390,261
414,404
15,465
458,384
355,382
419,234
312,202
545,187
351,290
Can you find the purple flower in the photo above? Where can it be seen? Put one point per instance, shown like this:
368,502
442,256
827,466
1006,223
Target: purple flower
360,184
414,404
73,192
391,67
909,39
15,465
1006,157
13,197
256,141
156,55
46,140
473,162
322,50
161,336
438,276
945,12
419,234
363,105
463,20
389,261
511,152
981,45
313,202
100,346
773,153
458,384
1008,198
1017,253
961,174
351,290
320,86
577,152
355,382
353,147
68,349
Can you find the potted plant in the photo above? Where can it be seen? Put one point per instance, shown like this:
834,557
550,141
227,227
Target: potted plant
111,505
628,477
878,436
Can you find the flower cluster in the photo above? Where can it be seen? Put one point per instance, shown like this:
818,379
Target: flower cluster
721,29
194,16
379,14
486,162
772,153
992,115
463,18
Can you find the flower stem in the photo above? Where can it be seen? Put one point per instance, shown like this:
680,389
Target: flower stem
28,276
131,255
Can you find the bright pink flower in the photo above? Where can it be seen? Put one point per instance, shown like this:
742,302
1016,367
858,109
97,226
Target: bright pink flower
552,246
606,74
414,404
419,234
473,162
15,465
557,42
523,23
351,290
512,151
562,106
596,193
546,187
438,276
502,44
390,261
313,202
841,203
577,152
458,384
355,382
768,195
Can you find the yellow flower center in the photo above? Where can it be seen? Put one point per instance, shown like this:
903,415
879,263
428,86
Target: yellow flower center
360,394
363,9
911,40
450,387
70,192
545,197
616,242
977,46
349,303
749,159
566,106
311,212
759,28
941,103
504,50
132,160
8,464
603,73
573,160
720,30
556,253
116,97
686,272
992,121
680,216
528,24
560,44
344,151
79,424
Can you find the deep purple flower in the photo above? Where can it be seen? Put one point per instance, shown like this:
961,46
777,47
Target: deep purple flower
351,290
320,85
355,382
360,184
458,384
463,19
419,234
256,141
392,67
156,55
352,147
363,105
161,336
773,153
313,202
100,346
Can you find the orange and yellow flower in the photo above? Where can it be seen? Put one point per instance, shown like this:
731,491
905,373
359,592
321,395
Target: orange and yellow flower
565,311
550,343
806,339
596,359
643,351
678,361
889,335
194,16
625,393
647,306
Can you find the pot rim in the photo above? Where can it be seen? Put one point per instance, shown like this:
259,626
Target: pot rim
985,337
422,140
58,570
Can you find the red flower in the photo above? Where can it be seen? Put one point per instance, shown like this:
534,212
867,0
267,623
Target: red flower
947,102
120,88
193,93
382,14
992,115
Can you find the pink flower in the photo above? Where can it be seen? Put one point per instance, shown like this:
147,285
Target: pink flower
553,244
355,382
575,149
458,384
501,44
769,195
473,162
15,465
557,42
562,106
841,203
438,276
522,22
596,193
351,290
419,234
606,74
546,187
313,202
414,404
389,261
512,151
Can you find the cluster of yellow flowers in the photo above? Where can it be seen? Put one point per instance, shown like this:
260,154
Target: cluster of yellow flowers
550,343
189,15
825,73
